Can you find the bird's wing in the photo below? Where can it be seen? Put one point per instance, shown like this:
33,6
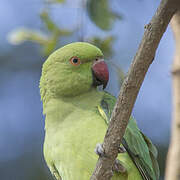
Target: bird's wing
153,153
141,150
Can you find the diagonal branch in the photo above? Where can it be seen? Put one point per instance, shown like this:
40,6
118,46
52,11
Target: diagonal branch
131,85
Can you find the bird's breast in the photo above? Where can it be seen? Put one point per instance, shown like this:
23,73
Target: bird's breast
73,140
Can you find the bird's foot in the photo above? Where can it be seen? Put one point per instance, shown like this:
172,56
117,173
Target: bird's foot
99,150
121,149
118,167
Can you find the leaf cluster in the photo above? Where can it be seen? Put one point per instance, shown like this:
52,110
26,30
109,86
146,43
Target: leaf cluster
98,12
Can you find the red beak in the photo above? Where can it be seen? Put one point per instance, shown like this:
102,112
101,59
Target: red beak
100,73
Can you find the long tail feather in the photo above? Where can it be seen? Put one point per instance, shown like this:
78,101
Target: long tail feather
134,158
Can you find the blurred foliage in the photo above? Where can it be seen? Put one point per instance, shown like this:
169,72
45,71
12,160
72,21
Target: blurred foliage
100,13
55,33
55,1
104,44
48,41
20,35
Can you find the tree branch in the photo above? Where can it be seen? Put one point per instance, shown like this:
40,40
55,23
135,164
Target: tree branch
173,162
130,87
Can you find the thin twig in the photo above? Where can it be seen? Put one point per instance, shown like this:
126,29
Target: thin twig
131,85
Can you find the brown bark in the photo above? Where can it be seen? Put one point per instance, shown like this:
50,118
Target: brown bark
173,160
131,85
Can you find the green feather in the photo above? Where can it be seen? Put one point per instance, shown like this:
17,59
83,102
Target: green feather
153,153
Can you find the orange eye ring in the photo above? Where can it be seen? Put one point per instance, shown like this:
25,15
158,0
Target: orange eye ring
75,61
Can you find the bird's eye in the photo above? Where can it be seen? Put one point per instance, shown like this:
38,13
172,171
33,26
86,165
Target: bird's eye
75,61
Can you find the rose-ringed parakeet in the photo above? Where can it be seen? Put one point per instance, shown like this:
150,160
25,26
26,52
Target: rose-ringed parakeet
77,115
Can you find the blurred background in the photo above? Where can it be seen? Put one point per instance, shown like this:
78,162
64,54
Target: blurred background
32,29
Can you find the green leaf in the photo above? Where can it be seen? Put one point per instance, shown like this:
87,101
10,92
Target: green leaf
100,13
20,35
50,25
53,41
50,46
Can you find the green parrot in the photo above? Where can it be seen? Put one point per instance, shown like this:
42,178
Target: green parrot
77,115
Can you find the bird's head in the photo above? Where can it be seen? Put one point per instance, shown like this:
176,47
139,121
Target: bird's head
72,70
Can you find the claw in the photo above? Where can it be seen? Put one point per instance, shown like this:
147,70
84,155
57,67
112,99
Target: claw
118,167
99,150
121,149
